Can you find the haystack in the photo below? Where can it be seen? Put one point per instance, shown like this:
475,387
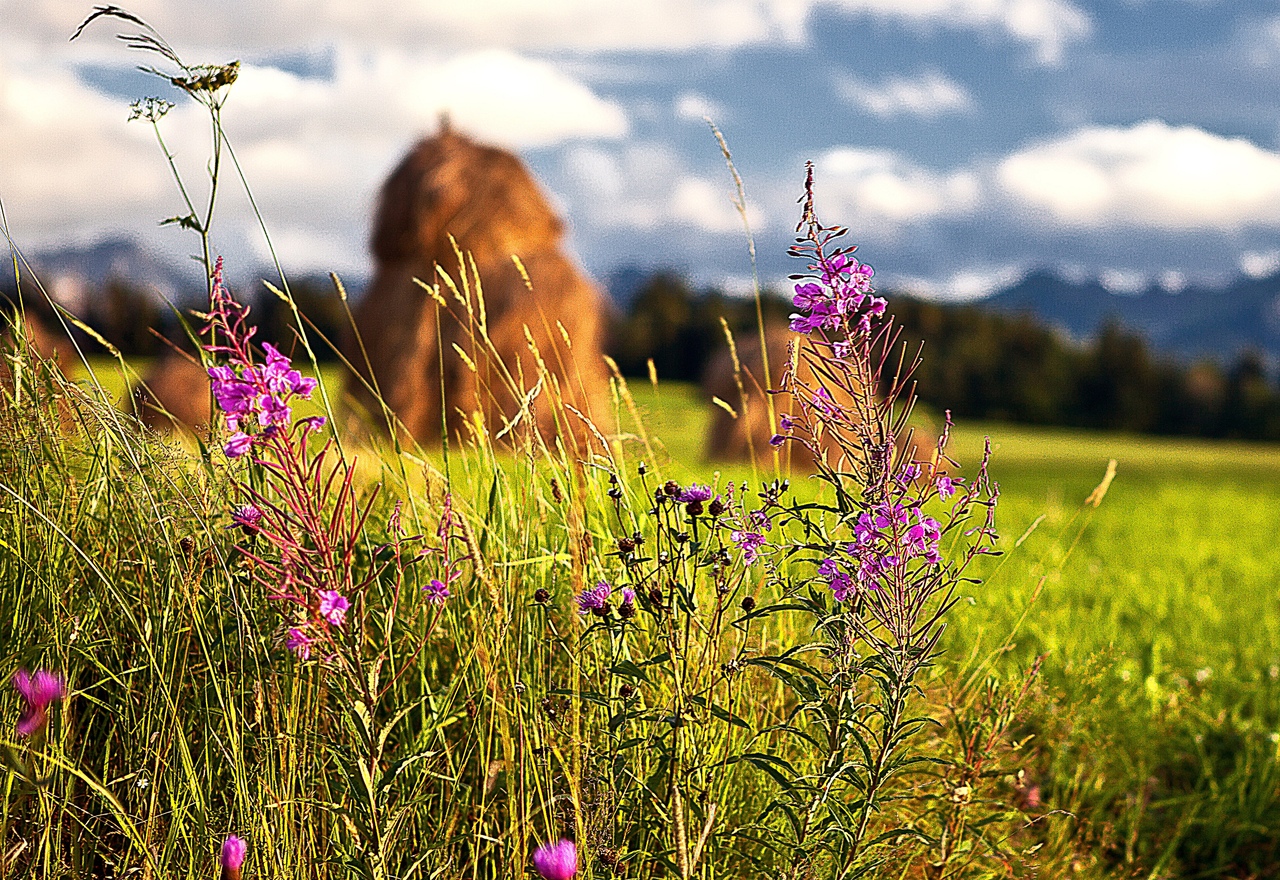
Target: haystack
489,203
43,356
174,393
735,439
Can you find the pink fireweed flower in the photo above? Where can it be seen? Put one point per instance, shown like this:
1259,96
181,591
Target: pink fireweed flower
38,690
436,591
333,607
594,599
232,856
556,861
841,584
237,445
299,643
749,543
946,486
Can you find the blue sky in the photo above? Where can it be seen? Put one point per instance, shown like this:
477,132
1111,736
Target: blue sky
964,142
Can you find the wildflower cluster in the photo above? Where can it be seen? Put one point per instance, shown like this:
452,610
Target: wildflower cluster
843,298
300,513
253,398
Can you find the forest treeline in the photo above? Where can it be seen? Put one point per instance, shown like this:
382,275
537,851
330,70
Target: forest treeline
981,364
988,365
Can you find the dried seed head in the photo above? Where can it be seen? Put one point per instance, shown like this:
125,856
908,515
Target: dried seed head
748,604
542,595
626,545
627,691
188,545
672,488
608,857
716,507
555,491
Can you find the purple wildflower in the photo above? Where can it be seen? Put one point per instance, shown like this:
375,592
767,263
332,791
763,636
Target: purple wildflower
946,487
922,538
299,643
232,856
247,517
436,591
628,596
237,444
556,861
841,584
760,520
38,690
823,403
749,543
594,599
694,493
333,607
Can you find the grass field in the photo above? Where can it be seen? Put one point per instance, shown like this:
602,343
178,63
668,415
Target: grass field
1158,619
1151,735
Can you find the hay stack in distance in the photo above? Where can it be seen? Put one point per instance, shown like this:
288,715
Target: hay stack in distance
735,439
484,197
45,354
174,393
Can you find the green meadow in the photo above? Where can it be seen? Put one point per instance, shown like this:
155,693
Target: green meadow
1108,698
1156,616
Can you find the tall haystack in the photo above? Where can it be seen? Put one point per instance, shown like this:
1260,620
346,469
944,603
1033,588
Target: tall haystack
174,393
489,203
735,439
26,339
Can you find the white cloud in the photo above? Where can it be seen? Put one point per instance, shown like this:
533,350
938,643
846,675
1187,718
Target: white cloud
1260,264
645,186
540,25
961,286
1124,281
71,163
1049,26
314,150
575,25
1173,280
495,95
929,95
710,207
695,107
879,191
1148,175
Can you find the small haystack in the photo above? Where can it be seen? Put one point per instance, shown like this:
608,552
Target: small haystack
489,203
735,439
174,394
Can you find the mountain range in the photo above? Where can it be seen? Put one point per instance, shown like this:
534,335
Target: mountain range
1195,322
1191,323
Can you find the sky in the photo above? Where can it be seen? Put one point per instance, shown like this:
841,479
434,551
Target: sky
962,142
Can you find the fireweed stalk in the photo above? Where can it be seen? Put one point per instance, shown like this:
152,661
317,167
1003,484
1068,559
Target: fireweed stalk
880,583
307,538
